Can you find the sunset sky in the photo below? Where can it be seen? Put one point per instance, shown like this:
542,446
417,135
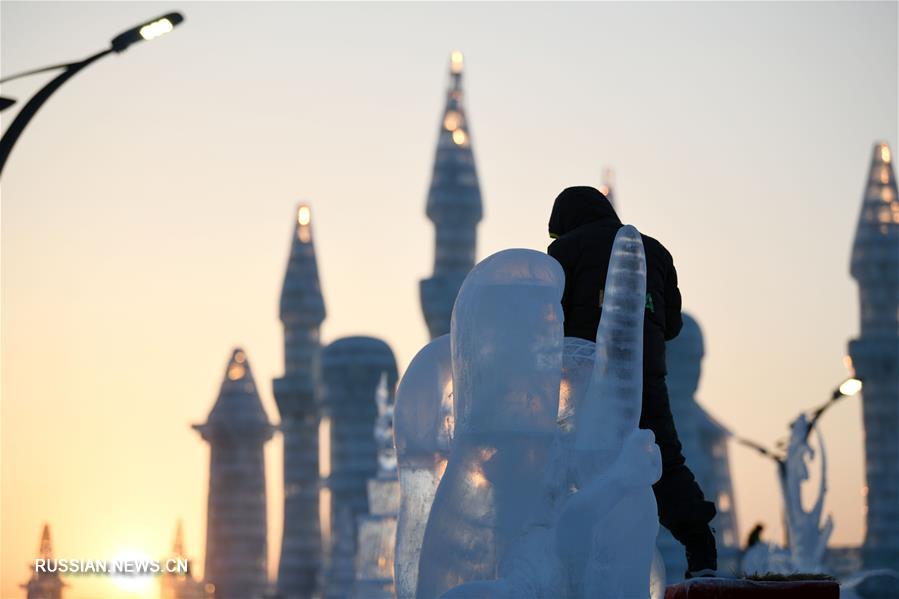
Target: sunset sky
147,213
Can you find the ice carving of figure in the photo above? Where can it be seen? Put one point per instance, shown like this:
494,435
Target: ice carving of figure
506,343
808,539
423,428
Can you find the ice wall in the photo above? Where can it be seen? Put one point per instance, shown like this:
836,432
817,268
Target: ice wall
506,344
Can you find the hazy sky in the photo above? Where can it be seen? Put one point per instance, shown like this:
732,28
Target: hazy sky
147,214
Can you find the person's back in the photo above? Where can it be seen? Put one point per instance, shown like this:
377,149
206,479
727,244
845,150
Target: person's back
583,224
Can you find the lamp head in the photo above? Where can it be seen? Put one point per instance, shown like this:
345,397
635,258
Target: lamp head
850,387
147,31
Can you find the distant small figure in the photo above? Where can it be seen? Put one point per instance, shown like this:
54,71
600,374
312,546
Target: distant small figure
755,535
583,224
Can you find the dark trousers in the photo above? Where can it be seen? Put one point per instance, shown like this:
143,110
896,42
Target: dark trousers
683,509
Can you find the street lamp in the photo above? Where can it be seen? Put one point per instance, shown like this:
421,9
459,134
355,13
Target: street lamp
847,388
145,31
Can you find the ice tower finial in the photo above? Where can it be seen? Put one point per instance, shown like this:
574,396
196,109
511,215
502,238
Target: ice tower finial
456,62
454,206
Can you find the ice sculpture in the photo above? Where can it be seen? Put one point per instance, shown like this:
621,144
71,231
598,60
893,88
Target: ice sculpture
376,534
506,342
808,539
764,557
423,429
548,488
384,430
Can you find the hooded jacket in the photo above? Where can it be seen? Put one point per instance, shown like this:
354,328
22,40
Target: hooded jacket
583,224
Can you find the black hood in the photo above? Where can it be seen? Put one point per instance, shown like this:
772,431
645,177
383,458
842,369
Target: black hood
578,206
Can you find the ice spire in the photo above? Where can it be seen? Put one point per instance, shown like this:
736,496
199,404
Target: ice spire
178,545
44,585
454,206
302,310
236,535
46,550
875,353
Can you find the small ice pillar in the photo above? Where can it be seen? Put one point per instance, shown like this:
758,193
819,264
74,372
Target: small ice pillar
423,427
614,400
506,338
618,558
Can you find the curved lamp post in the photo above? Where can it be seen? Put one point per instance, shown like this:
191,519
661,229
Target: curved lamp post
145,31
847,388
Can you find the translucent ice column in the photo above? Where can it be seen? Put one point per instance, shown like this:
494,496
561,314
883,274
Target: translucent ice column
620,552
506,352
423,426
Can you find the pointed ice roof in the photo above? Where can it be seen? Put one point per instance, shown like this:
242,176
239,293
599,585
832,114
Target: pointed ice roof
238,408
178,545
877,234
454,182
301,297
46,549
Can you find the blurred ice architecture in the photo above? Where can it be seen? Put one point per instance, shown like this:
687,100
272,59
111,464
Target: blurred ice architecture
376,531
547,485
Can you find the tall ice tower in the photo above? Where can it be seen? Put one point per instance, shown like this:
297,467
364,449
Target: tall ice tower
875,356
236,529
302,311
454,206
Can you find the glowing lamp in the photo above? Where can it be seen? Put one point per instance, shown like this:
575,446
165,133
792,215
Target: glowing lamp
850,387
304,215
456,61
147,31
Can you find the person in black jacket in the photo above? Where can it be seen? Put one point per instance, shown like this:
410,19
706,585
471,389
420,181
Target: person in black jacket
583,224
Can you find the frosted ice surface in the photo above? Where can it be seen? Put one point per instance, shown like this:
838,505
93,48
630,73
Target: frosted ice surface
423,422
507,356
